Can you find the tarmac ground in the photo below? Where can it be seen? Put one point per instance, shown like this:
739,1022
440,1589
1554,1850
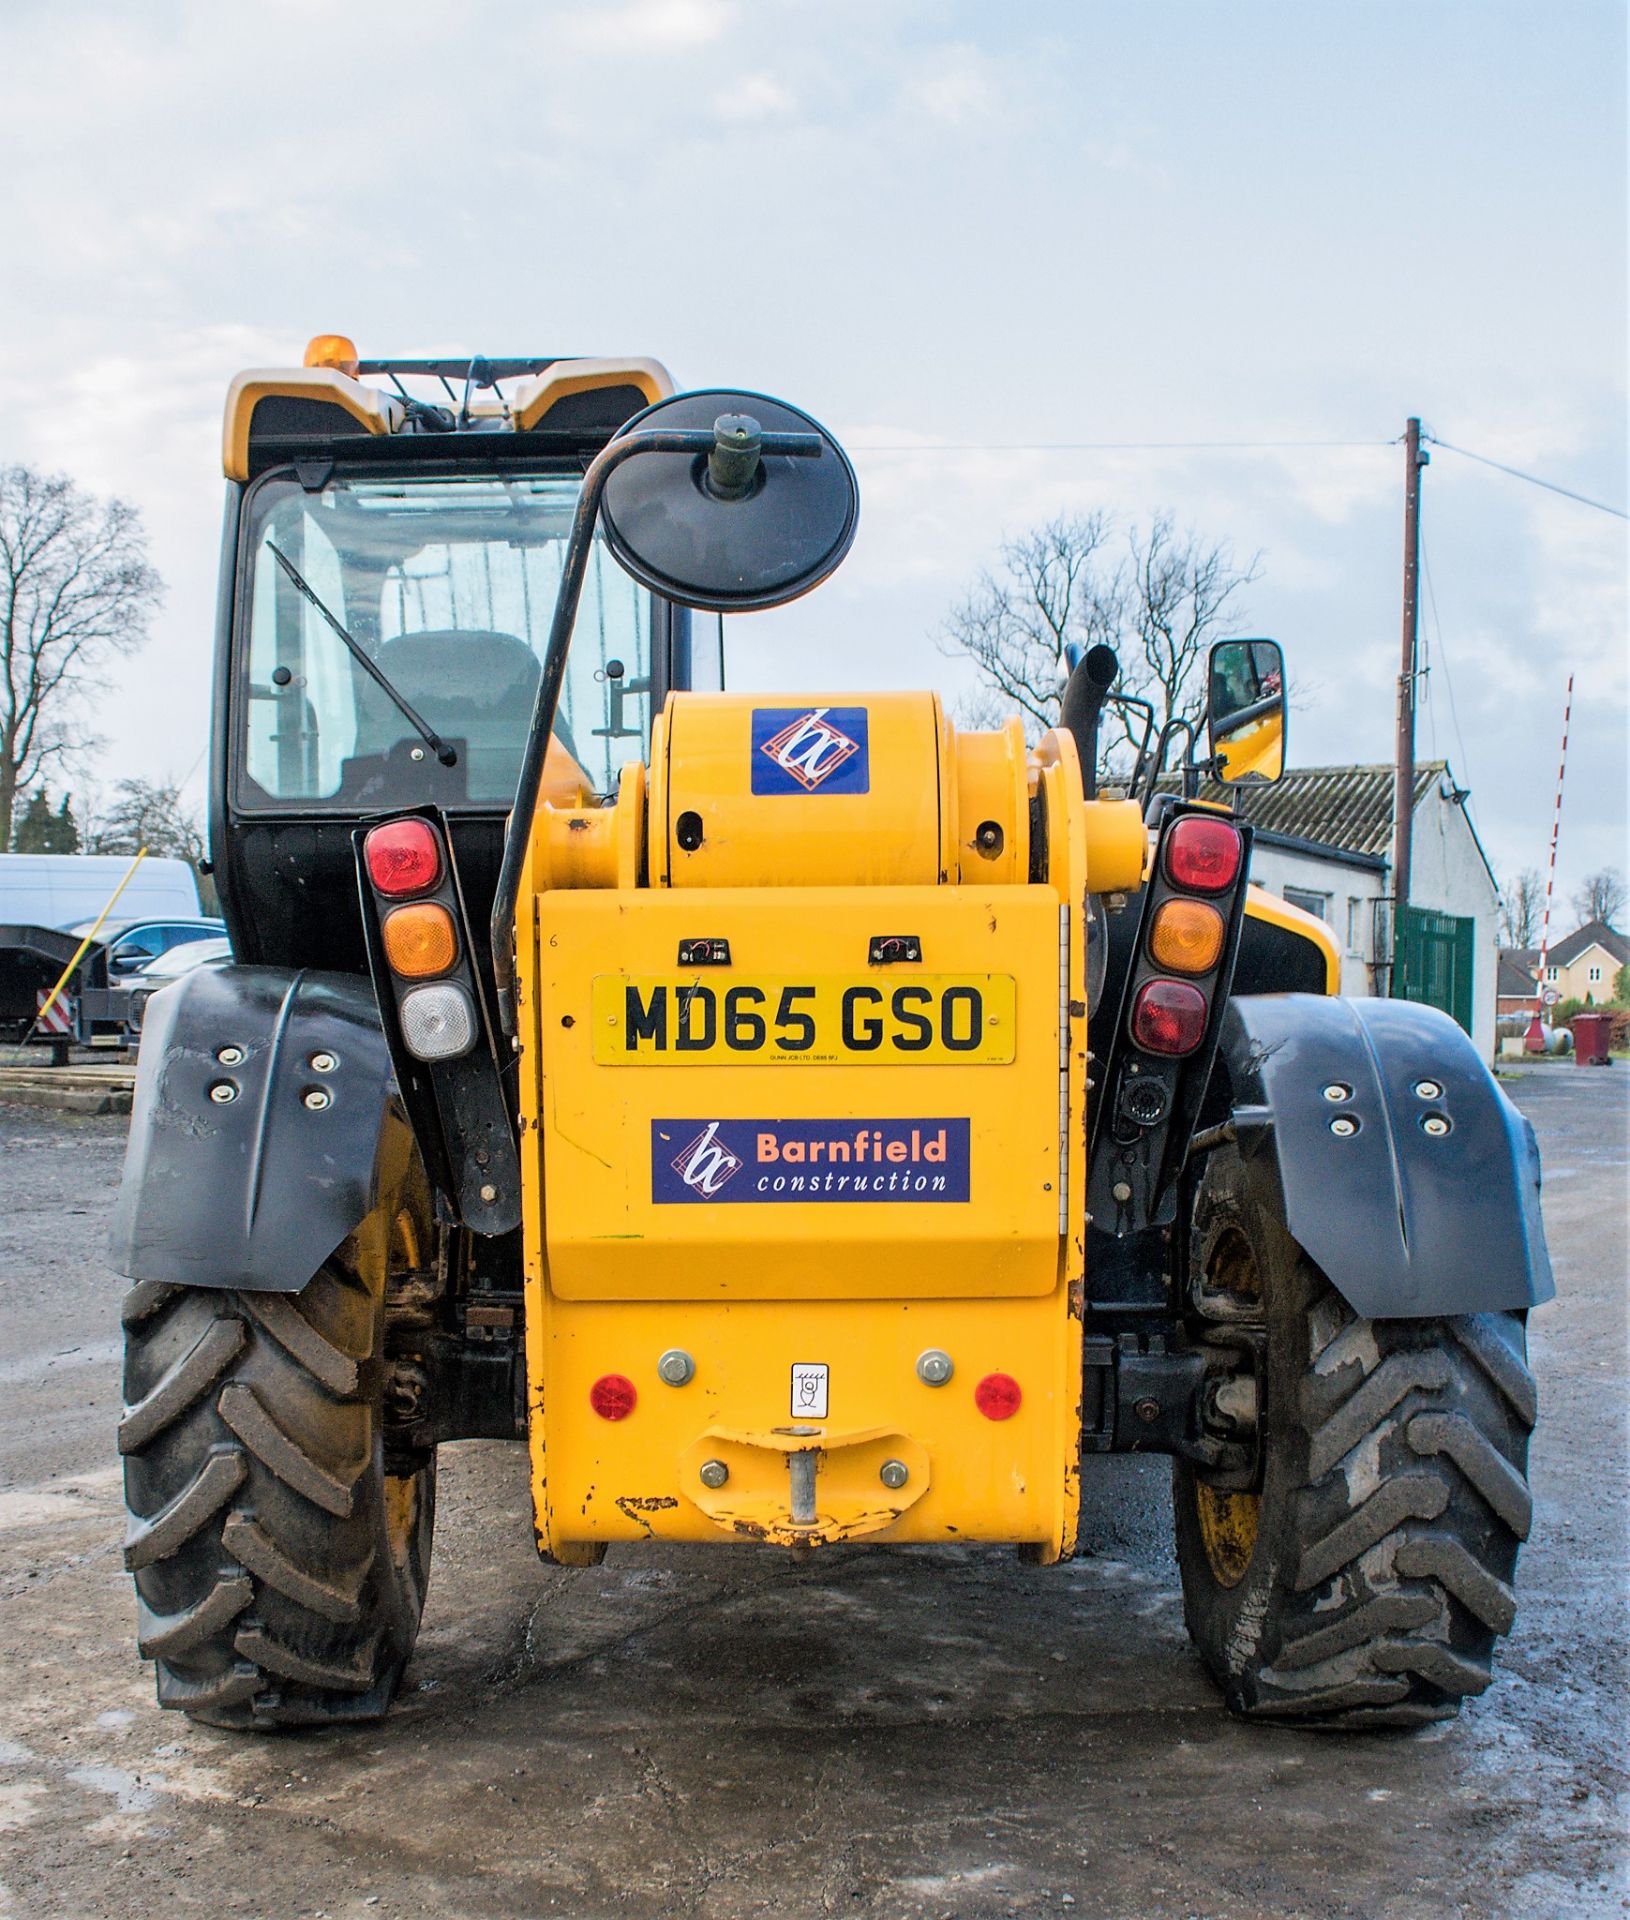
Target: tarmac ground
737,1732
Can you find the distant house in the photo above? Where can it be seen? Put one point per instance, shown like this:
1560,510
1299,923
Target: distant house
1324,843
1582,966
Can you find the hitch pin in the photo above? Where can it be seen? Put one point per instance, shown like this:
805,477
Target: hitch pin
801,1474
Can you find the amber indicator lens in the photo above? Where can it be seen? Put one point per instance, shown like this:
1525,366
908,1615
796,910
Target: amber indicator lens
613,1396
1186,937
1203,855
1168,1016
403,856
420,941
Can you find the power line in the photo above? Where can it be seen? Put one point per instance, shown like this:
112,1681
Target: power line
1533,479
1113,446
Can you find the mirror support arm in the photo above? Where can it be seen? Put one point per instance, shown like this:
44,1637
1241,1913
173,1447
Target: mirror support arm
518,835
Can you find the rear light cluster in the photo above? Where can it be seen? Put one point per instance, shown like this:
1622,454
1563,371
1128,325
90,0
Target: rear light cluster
1201,855
405,863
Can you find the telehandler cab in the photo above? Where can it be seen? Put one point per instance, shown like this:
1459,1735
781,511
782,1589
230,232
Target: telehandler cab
795,1119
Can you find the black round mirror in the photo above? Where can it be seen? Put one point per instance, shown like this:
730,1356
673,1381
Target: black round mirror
737,530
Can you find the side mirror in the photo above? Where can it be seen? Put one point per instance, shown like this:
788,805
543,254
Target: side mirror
127,959
742,526
1245,710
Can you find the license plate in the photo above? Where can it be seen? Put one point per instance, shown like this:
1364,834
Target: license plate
964,1019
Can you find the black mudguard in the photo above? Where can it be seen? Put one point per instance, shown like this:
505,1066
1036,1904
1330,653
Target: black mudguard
239,1174
1405,1222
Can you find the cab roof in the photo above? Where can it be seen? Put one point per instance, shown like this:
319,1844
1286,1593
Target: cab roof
442,409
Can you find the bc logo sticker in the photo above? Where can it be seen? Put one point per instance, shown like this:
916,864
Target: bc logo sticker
810,750
765,1161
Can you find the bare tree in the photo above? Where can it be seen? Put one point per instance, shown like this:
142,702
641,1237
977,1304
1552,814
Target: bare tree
1602,897
75,588
152,814
1522,901
1158,596
1055,585
1180,587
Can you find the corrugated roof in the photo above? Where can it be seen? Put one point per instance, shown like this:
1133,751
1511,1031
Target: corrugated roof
1347,807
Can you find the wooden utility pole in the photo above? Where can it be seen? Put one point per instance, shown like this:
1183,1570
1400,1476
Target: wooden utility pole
1403,792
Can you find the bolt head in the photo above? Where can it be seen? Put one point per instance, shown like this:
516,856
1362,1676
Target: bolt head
934,1367
229,1056
1344,1129
676,1368
489,1193
894,1474
1147,1410
1336,1092
316,1098
1428,1089
1121,1191
223,1093
713,1473
1436,1125
323,1063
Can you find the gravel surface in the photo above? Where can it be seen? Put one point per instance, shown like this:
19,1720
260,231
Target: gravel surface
727,1733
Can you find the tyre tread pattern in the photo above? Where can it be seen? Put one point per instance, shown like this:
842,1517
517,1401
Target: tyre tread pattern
1400,1499
185,1382
266,1592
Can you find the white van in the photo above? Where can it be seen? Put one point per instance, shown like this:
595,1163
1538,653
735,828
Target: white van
66,889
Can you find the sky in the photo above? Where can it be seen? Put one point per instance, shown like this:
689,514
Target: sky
1020,259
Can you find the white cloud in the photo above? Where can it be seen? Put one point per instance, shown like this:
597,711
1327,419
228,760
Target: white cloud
645,26
755,96
953,83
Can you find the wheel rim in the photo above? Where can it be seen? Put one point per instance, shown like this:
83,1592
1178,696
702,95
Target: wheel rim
1229,1519
404,1493
1228,1526
401,1515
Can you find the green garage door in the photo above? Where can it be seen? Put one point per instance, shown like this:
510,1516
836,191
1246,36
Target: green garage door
1433,961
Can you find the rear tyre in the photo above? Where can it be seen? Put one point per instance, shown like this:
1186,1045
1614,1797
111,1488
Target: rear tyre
280,1557
1364,1579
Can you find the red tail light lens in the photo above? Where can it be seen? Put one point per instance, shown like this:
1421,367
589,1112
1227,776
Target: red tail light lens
997,1396
613,1396
1168,1016
1203,855
403,856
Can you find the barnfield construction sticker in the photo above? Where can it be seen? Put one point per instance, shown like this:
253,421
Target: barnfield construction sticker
705,1162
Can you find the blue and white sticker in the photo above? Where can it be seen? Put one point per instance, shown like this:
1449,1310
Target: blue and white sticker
811,750
707,1162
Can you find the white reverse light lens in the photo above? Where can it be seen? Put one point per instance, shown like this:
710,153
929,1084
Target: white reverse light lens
438,1023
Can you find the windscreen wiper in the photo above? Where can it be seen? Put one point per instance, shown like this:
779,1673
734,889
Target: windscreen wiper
447,755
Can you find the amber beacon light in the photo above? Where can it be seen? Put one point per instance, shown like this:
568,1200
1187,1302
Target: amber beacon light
334,351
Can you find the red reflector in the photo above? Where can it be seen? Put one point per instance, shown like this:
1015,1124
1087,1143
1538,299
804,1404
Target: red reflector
1202,855
1168,1016
403,856
997,1396
612,1396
